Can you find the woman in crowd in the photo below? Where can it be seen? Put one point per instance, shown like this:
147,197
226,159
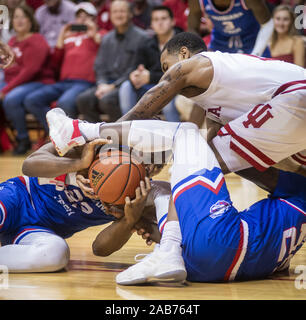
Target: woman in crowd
285,44
74,56
30,71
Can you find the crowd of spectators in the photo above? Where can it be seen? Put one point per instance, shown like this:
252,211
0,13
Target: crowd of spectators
98,57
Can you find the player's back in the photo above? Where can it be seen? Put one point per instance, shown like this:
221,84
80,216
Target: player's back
241,82
277,229
60,205
235,28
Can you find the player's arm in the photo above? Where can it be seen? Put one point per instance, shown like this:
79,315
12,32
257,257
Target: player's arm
193,72
160,95
266,180
46,163
113,237
194,17
263,16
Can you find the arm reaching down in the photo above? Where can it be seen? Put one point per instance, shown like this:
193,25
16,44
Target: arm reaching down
45,162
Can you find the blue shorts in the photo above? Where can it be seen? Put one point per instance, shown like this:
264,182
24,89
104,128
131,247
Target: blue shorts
209,224
16,210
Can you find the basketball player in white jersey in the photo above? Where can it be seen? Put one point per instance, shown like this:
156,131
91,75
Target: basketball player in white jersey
260,102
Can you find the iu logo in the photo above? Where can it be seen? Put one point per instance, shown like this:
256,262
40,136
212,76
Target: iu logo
258,116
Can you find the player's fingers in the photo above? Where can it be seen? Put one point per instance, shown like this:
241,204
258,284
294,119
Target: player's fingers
138,193
149,242
148,183
127,201
140,232
143,189
81,178
100,141
146,236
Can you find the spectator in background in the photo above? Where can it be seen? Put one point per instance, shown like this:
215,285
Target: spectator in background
239,26
141,13
285,44
34,4
29,72
114,62
148,71
7,33
180,10
272,4
103,17
75,53
52,16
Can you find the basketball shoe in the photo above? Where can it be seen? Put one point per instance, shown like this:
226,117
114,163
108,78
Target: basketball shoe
157,266
64,132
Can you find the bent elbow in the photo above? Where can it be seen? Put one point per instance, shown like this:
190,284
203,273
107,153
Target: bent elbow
99,251
26,168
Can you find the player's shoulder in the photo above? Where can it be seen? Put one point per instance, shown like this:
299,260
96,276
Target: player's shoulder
298,41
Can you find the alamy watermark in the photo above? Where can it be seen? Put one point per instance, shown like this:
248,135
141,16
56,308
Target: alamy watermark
300,20
4,277
4,17
300,280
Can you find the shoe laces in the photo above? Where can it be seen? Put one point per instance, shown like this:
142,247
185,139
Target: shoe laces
141,256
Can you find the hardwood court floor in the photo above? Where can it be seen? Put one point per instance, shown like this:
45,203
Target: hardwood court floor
91,277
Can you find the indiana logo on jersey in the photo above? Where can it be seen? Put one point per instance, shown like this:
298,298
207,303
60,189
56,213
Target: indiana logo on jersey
219,208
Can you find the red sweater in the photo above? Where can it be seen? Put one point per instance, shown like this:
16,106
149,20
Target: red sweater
180,11
31,62
76,59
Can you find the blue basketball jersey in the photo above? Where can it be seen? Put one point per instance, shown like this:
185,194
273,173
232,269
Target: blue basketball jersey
221,244
235,29
47,203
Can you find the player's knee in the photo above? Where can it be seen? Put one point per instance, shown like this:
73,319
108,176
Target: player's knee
188,126
52,256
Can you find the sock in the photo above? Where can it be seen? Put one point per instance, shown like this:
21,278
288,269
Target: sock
90,131
172,236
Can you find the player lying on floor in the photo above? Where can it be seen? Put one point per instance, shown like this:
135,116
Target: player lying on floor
37,213
205,237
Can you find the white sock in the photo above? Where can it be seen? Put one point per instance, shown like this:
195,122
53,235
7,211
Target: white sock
172,236
90,131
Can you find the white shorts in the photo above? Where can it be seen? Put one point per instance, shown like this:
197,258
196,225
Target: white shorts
267,134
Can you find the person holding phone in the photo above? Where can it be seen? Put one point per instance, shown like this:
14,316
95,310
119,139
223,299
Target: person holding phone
74,56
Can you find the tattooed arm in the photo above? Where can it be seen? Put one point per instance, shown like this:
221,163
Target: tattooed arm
189,77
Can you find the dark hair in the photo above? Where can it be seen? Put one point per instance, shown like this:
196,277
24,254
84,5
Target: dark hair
193,42
28,11
162,8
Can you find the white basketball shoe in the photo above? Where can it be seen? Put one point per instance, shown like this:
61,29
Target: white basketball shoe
64,132
157,266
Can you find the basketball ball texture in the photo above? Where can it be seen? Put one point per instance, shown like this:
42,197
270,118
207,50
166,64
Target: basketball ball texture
115,175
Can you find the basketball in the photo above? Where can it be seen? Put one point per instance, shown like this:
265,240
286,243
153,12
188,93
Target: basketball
115,175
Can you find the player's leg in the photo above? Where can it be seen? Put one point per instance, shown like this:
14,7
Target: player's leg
35,249
267,134
198,191
26,249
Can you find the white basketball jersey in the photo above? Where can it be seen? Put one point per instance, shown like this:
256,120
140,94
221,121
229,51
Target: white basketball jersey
241,82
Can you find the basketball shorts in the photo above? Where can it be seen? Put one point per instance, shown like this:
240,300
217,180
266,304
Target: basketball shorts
210,226
17,215
267,134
